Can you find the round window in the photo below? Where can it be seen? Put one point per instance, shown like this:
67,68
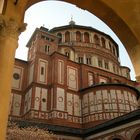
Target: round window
16,76
43,100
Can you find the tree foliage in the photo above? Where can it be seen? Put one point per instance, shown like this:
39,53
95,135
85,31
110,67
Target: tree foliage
14,132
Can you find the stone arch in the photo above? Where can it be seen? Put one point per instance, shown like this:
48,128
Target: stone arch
136,135
119,24
117,137
124,22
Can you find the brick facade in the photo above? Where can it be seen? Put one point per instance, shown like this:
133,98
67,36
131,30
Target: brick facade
73,78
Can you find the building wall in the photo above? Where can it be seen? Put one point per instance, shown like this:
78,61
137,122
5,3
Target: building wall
66,78
76,83
106,103
91,47
15,104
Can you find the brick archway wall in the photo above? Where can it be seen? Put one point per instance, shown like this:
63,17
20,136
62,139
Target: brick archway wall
117,137
137,132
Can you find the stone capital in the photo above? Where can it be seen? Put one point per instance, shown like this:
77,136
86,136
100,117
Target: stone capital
9,27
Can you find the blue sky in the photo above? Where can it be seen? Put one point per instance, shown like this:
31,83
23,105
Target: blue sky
55,13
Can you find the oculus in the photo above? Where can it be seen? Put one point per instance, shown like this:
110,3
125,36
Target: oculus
43,100
16,76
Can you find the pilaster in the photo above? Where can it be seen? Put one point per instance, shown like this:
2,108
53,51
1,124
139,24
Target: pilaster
9,32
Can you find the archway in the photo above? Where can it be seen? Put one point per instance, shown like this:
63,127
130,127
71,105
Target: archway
124,22
117,23
121,22
136,135
116,137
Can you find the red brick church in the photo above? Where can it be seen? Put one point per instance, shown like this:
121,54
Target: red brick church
73,84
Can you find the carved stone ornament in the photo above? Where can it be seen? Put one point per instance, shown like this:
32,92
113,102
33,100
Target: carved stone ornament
10,28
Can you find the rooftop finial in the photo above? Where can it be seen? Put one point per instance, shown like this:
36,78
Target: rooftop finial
71,17
72,22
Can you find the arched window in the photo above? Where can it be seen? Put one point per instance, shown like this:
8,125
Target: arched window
88,59
114,50
103,42
67,53
106,65
67,36
80,58
47,49
114,68
100,63
86,37
78,36
110,47
96,40
59,37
